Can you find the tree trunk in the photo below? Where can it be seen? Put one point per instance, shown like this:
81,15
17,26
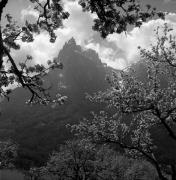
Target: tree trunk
1,50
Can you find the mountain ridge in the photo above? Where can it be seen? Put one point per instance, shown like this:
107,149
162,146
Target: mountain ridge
39,129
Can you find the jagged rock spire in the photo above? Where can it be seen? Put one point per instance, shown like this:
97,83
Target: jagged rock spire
72,41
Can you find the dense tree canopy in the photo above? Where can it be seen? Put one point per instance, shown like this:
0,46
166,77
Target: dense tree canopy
140,107
115,16
80,159
8,154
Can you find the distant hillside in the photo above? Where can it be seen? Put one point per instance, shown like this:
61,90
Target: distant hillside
40,129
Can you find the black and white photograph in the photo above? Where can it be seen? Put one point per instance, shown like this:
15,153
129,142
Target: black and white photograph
87,89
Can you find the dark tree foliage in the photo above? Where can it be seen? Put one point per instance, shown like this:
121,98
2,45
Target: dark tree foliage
8,154
115,16
30,77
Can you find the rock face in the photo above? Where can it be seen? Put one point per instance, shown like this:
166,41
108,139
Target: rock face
40,129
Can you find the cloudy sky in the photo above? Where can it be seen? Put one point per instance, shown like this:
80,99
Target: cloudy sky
117,50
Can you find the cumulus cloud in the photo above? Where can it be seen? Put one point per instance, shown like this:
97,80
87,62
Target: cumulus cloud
78,26
125,50
29,11
118,50
144,37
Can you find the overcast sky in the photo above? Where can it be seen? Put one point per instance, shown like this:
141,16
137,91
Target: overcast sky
117,50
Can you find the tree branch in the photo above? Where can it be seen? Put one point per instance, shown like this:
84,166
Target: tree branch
150,158
19,75
3,3
166,126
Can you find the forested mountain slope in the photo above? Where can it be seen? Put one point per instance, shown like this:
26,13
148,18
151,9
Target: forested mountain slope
39,129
